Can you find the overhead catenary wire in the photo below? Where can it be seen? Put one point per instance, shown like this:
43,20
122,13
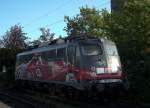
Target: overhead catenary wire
48,13
59,21
62,20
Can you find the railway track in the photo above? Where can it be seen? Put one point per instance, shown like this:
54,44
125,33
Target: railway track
17,101
32,99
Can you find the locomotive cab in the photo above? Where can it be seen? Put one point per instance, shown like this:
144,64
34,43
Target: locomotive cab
96,63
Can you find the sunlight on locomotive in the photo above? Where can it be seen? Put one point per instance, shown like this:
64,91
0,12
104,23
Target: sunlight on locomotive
114,64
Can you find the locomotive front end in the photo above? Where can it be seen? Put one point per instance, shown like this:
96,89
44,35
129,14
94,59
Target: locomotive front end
111,75
101,59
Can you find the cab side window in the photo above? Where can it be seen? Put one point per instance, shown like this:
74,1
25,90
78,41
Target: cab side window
51,55
71,55
61,54
44,56
78,57
24,58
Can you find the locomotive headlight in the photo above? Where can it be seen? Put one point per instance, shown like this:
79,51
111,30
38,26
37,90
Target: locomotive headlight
114,64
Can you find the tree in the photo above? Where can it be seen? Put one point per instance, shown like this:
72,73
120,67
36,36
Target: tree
46,36
34,43
130,29
8,60
1,43
14,38
89,21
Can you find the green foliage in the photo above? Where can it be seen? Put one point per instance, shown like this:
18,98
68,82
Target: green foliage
7,59
46,36
89,21
130,29
14,38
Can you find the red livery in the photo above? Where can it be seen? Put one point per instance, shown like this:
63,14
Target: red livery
80,62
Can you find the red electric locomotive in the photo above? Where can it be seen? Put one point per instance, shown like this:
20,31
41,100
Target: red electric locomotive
84,63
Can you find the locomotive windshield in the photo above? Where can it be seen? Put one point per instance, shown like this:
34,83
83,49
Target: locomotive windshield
111,49
113,60
91,50
100,55
91,54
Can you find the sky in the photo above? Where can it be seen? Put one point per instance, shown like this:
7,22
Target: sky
33,14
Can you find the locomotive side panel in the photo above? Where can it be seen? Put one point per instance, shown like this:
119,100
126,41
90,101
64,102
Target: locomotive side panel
42,66
84,63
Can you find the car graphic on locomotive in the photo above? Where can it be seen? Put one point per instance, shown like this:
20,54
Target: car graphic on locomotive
84,63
